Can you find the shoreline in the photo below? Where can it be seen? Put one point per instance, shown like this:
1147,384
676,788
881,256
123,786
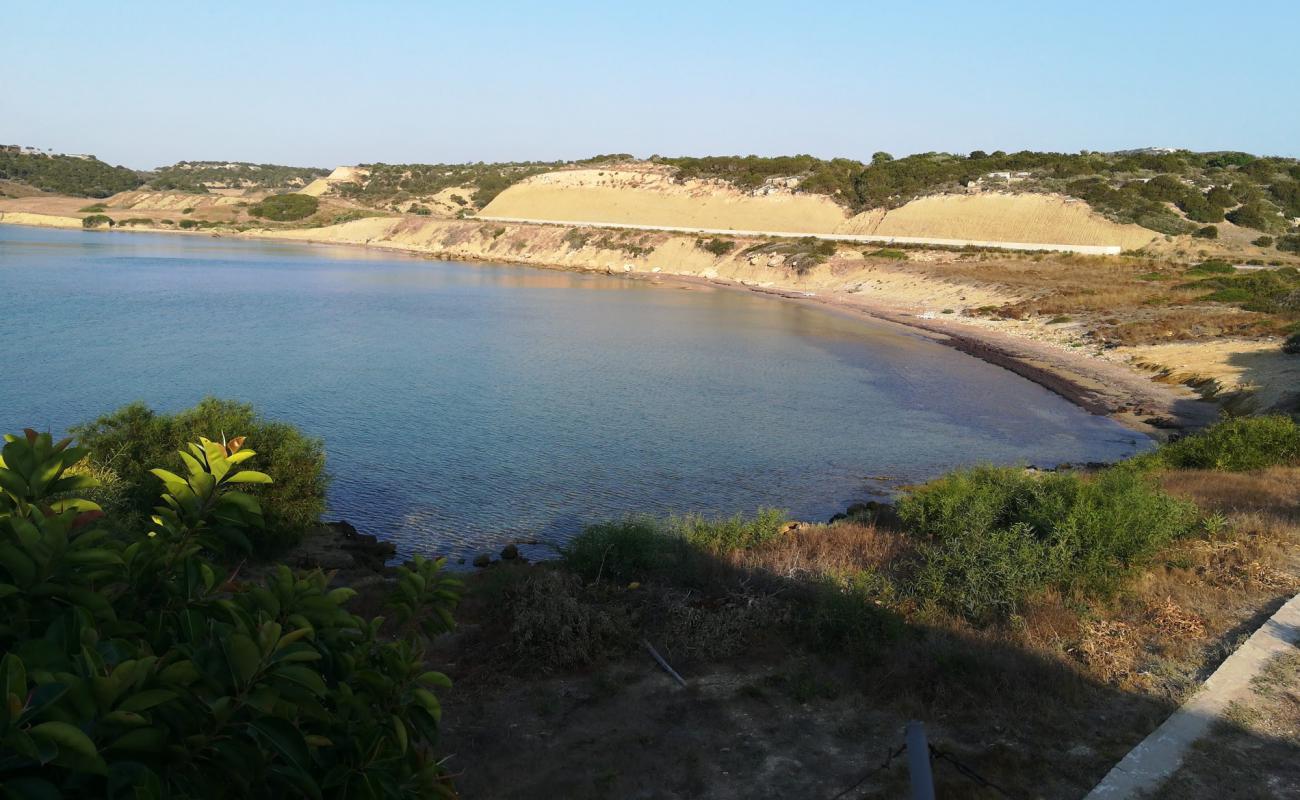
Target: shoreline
1098,386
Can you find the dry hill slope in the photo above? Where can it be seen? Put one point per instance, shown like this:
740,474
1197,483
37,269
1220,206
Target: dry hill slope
652,197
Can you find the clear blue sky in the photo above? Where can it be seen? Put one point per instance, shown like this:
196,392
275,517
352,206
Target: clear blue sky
327,83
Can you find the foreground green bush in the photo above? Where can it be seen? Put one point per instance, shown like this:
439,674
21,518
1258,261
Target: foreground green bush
633,549
992,536
134,439
135,667
640,548
731,533
285,207
1237,444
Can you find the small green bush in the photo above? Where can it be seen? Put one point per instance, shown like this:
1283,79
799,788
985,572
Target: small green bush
93,208
639,548
134,439
189,224
1240,443
285,207
1263,241
731,534
1214,266
633,549
1208,232
1253,215
576,238
96,221
716,246
1289,244
992,536
896,255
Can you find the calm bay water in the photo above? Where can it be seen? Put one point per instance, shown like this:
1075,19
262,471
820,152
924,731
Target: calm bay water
465,406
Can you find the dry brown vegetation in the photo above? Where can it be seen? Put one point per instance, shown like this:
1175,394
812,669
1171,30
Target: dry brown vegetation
1042,704
1118,299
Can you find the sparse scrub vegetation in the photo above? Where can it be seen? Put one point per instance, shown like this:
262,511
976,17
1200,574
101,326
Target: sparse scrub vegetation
801,255
97,221
716,246
1127,187
198,176
893,255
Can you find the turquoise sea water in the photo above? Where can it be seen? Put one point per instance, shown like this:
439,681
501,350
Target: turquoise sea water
465,406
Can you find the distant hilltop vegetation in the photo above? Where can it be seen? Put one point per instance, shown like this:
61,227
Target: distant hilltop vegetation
1156,190
1167,191
202,176
77,175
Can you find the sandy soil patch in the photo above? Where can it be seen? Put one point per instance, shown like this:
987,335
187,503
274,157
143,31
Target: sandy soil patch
40,220
324,185
653,198
1005,218
1238,365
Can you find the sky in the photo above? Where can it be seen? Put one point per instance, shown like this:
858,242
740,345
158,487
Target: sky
327,83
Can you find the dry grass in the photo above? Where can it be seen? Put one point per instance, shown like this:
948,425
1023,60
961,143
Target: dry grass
1044,703
812,550
1114,297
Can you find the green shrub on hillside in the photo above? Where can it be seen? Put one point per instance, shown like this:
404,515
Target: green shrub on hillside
97,221
1275,291
1208,232
195,176
134,439
135,666
1237,444
1263,241
992,536
1215,266
285,207
1254,215
1198,209
884,252
1289,244
716,246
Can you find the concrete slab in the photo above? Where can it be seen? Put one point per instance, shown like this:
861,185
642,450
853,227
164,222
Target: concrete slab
1160,755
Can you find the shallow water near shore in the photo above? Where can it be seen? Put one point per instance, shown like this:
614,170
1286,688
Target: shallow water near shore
467,406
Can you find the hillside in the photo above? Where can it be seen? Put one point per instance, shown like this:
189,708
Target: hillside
74,175
204,176
655,196
1168,191
1127,198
